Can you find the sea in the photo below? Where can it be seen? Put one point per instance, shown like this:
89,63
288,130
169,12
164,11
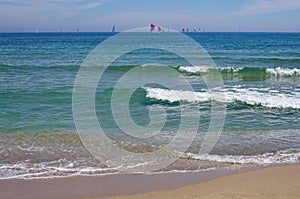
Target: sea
261,83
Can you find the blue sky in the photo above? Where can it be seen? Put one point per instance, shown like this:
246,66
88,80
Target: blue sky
101,15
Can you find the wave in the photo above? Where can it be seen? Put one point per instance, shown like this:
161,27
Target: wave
64,168
284,156
283,71
252,96
24,170
278,72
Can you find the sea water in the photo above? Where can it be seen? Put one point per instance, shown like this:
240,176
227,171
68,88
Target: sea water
38,138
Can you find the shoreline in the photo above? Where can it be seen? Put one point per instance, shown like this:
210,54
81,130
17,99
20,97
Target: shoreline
79,187
280,182
128,185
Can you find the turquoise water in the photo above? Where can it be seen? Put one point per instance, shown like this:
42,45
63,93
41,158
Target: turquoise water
261,73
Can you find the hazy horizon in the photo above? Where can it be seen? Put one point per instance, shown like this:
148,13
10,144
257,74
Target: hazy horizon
101,15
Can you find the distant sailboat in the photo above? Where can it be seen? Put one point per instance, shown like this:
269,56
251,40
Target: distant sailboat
114,28
36,31
152,26
159,29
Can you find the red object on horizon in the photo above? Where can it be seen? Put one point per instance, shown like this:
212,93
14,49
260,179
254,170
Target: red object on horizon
152,26
159,28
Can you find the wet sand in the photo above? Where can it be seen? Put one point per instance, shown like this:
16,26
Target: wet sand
268,183
272,182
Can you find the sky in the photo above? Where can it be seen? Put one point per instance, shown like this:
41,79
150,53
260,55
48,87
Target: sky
101,15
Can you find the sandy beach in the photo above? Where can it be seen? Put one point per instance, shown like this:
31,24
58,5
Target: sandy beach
268,183
272,182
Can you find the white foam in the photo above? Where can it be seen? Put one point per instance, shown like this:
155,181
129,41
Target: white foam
204,69
286,156
176,95
270,99
194,69
283,71
25,170
230,69
253,96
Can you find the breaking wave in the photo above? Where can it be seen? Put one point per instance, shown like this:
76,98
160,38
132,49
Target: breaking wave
252,96
279,72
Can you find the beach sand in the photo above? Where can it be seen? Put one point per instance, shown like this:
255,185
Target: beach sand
268,183
265,183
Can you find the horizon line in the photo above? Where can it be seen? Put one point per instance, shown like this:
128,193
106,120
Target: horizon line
165,32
